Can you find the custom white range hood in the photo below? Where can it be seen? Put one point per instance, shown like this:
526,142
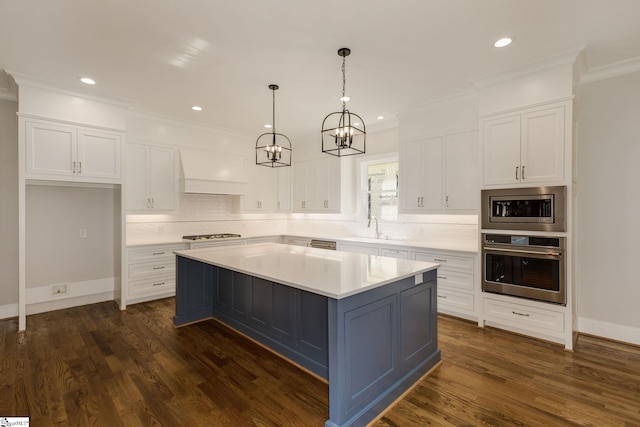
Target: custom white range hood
208,172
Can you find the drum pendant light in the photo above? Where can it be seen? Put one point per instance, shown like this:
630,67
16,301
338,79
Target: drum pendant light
273,149
343,132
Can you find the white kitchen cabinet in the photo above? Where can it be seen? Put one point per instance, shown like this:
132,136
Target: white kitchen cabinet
439,174
456,288
524,148
420,175
359,248
461,172
269,189
394,253
56,151
284,189
151,178
541,320
317,185
262,188
152,272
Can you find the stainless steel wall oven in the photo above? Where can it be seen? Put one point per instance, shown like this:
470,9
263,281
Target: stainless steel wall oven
530,209
524,266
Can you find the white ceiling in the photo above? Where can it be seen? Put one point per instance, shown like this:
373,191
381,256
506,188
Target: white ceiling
167,55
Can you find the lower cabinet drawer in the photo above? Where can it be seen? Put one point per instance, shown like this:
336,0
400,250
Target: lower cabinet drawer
445,261
523,316
455,280
155,285
455,301
162,268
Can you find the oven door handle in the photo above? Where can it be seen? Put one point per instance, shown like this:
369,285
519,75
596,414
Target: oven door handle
519,251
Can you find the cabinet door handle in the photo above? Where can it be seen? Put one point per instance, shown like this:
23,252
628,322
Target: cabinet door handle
516,172
523,173
73,167
79,167
442,296
159,253
520,314
446,202
159,268
442,277
439,260
158,284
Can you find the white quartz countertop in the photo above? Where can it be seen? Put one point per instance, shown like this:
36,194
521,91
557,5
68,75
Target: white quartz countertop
334,274
448,245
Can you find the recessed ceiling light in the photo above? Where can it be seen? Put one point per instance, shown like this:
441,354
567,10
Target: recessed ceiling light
503,42
380,117
87,81
268,126
196,108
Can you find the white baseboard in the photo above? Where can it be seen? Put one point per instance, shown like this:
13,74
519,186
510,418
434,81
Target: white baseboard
611,331
9,310
41,299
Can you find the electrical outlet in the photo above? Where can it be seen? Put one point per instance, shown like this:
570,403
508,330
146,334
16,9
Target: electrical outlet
58,289
82,233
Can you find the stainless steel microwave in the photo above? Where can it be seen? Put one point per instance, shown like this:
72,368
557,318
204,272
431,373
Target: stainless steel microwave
530,209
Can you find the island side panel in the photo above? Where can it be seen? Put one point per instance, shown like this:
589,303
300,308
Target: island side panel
290,321
194,290
380,343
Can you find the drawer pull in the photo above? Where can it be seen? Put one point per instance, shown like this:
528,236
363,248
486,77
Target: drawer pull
158,284
158,268
159,253
442,296
442,277
520,314
439,260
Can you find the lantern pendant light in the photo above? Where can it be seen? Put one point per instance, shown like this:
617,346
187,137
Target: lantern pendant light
273,149
343,132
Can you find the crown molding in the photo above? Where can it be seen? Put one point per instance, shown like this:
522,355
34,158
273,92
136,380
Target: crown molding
565,58
615,69
29,81
148,115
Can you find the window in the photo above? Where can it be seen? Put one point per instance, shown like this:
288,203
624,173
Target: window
382,189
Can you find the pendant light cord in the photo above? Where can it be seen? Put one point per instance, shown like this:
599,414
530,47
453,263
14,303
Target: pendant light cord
344,81
273,127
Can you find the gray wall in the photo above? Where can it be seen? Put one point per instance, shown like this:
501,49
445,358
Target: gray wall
608,229
55,251
8,203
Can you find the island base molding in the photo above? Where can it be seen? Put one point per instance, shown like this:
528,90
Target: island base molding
371,347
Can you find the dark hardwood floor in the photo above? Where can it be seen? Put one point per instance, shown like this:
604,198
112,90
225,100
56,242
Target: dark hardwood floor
95,365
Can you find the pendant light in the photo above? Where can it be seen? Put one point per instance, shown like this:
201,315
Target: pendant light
273,149
343,133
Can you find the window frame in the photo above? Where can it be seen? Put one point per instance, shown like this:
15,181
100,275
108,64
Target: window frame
363,175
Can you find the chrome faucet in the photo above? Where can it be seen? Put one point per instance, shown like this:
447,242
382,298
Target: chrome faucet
378,232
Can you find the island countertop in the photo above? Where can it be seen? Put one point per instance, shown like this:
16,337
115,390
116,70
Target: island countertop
333,274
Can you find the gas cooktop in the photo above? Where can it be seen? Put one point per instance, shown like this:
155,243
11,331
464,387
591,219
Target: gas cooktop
210,236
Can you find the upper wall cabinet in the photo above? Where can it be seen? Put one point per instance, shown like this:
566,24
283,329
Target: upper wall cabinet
64,152
151,178
420,174
269,189
439,174
524,148
318,185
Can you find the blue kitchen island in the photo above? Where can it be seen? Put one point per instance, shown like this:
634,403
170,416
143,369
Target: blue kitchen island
367,324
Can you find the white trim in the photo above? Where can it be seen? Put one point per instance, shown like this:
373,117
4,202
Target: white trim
25,80
608,330
561,59
9,310
43,294
616,69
